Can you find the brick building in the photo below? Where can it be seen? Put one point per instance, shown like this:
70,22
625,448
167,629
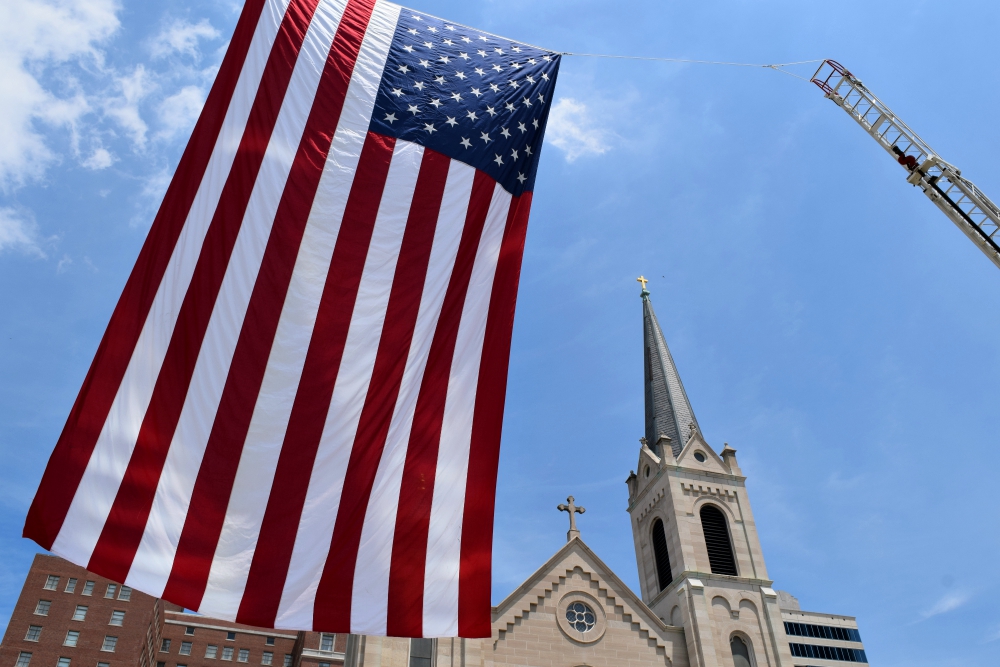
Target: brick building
67,616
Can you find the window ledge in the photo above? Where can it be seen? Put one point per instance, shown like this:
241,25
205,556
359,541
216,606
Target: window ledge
317,653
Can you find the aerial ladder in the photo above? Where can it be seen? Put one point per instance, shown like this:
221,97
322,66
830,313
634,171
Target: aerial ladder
956,196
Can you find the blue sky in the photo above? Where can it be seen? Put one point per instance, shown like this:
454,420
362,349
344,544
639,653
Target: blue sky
828,321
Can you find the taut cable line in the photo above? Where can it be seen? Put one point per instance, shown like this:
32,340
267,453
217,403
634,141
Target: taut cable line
777,67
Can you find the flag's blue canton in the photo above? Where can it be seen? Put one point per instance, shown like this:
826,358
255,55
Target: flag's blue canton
471,96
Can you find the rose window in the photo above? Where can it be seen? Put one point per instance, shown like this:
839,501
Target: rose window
580,617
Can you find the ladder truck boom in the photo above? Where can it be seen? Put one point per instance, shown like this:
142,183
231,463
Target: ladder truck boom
957,197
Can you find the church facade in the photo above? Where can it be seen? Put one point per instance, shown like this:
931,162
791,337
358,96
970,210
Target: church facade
705,600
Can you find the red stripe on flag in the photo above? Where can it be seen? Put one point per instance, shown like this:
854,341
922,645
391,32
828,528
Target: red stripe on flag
214,484
124,525
484,455
409,546
271,559
79,436
332,609
126,522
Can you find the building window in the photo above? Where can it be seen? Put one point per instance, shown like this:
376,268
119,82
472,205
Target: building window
117,618
51,583
104,664
72,638
23,659
421,651
71,585
80,614
822,632
34,632
181,665
161,664
185,648
227,652
110,593
125,594
211,651
244,655
62,662
324,664
267,658
165,646
828,653
288,660
109,644
42,608
741,652
189,630
88,588
230,636
663,573
326,642
269,641
720,549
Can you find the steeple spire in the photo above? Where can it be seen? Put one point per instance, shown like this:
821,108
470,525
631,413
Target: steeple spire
668,411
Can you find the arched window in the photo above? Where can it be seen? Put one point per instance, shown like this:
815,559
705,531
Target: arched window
741,652
664,575
720,549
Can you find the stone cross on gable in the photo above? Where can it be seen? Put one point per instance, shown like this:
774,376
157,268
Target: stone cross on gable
573,511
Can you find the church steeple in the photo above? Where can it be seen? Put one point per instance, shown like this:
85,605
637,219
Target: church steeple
668,411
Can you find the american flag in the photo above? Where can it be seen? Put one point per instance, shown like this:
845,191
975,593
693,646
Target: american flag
293,419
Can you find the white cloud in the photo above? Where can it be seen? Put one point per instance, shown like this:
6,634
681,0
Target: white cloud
154,185
573,129
950,602
124,109
182,37
99,159
33,36
179,112
64,264
18,233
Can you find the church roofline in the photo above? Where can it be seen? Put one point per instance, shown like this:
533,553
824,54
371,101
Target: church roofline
605,573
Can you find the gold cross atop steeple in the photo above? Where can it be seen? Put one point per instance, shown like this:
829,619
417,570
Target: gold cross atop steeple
642,279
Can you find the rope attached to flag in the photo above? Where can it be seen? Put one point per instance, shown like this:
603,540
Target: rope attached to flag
777,67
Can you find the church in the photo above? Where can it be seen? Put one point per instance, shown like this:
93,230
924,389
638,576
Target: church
705,600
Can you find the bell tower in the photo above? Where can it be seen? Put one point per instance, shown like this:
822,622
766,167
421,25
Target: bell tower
700,562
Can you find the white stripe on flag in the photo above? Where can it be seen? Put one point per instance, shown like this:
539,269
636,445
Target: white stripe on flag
109,460
370,599
326,481
252,487
222,334
444,534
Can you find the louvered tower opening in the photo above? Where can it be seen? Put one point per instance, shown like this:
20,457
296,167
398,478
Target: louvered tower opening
663,573
720,549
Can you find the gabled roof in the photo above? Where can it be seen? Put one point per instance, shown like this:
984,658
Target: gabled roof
573,554
668,410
